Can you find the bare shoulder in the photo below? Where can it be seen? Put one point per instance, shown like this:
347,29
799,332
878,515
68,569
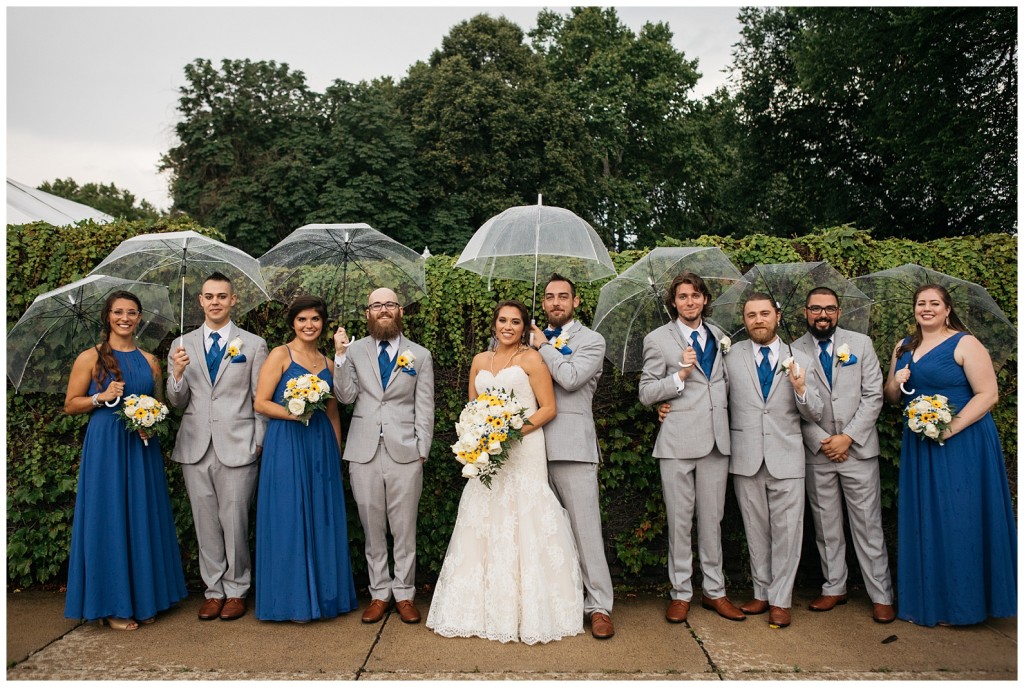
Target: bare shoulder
530,360
87,357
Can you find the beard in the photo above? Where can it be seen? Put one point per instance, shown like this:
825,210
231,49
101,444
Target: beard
384,330
822,334
557,319
762,336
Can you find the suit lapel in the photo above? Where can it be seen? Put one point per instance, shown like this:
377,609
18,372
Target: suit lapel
195,346
748,362
223,356
372,352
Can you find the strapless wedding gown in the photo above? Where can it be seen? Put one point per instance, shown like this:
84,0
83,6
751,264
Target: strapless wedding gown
511,572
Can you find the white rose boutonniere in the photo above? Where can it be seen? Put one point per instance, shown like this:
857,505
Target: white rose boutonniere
406,362
234,348
787,364
725,345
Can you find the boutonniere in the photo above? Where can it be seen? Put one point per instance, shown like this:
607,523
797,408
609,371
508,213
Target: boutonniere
724,345
844,357
561,345
234,348
785,365
406,362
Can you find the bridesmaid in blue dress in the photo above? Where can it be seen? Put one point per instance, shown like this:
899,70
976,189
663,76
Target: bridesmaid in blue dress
303,570
957,535
124,565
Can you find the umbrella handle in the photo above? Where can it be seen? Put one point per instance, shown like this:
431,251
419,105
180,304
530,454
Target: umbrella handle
112,404
904,390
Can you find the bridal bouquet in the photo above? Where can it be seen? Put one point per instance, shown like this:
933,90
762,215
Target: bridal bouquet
486,427
929,416
304,395
143,413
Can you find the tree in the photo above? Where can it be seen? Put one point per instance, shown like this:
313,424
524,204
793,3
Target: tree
108,198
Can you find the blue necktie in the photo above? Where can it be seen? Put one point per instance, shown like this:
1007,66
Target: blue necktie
764,372
552,333
826,361
386,364
695,337
213,356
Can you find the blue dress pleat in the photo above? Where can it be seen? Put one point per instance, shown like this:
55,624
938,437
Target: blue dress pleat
124,559
957,534
303,571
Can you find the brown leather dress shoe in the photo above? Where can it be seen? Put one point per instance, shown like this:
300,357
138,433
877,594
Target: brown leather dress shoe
883,613
407,612
677,611
210,610
723,607
601,626
375,611
827,603
234,608
778,616
754,607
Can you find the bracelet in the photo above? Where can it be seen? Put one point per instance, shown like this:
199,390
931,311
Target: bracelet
95,400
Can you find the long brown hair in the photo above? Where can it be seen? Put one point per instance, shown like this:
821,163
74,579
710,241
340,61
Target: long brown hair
106,362
952,321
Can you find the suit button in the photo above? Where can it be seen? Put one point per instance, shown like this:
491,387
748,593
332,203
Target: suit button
765,411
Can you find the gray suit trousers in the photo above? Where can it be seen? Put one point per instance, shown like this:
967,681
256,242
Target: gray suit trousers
691,486
575,485
773,517
858,481
220,498
387,494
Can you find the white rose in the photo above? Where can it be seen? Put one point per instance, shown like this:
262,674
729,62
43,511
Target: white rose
469,470
495,448
516,421
147,402
296,406
914,424
148,421
945,416
931,431
483,459
314,396
923,406
941,399
302,382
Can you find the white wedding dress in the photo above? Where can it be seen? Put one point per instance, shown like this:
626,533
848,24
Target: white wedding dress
511,572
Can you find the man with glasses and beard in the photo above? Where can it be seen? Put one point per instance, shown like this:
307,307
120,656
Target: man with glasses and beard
766,460
842,455
390,379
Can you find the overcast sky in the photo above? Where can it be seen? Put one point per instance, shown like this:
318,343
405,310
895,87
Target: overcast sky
92,92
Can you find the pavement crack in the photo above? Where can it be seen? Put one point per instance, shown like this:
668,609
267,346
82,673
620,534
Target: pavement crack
376,640
707,655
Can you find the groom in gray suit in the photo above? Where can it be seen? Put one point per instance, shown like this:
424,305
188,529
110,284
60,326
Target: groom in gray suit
683,365
574,355
848,372
767,459
219,442
391,381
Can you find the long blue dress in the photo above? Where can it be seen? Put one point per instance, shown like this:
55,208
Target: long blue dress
124,559
303,571
957,535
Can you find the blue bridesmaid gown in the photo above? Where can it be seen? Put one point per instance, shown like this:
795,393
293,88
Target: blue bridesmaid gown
303,571
957,535
124,559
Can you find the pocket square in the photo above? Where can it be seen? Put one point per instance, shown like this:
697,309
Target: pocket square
238,359
408,371
851,361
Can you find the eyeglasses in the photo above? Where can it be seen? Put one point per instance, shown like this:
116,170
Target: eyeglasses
122,313
375,307
816,309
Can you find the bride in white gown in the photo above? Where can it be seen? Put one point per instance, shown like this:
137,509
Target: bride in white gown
511,572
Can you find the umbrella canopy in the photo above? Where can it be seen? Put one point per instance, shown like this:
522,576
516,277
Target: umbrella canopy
893,317
26,205
62,323
530,240
633,304
788,284
342,263
183,260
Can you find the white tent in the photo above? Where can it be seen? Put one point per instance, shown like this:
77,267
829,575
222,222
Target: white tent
26,204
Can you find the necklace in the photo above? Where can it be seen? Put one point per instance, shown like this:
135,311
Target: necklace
494,354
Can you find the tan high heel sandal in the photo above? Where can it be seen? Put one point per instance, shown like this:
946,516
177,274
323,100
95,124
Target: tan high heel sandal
122,624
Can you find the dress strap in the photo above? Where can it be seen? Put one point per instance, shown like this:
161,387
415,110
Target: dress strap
289,352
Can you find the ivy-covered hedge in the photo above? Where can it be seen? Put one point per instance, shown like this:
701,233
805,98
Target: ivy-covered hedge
43,443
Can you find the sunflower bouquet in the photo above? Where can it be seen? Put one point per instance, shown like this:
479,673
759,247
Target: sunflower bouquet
929,416
304,395
486,428
142,413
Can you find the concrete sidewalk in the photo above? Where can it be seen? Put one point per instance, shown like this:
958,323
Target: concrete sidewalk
842,644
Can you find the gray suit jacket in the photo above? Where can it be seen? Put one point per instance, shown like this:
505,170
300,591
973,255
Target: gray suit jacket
220,412
698,418
767,431
571,435
854,402
404,412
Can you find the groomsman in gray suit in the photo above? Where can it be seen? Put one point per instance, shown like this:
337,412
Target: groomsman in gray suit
683,365
390,379
842,455
219,442
767,459
575,355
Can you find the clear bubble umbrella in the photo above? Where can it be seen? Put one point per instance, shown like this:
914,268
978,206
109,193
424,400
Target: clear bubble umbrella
633,304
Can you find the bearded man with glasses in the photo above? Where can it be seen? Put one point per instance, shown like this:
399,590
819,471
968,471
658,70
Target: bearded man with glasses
390,379
841,451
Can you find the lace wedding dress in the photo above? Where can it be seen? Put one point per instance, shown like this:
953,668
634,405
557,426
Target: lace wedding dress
511,572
